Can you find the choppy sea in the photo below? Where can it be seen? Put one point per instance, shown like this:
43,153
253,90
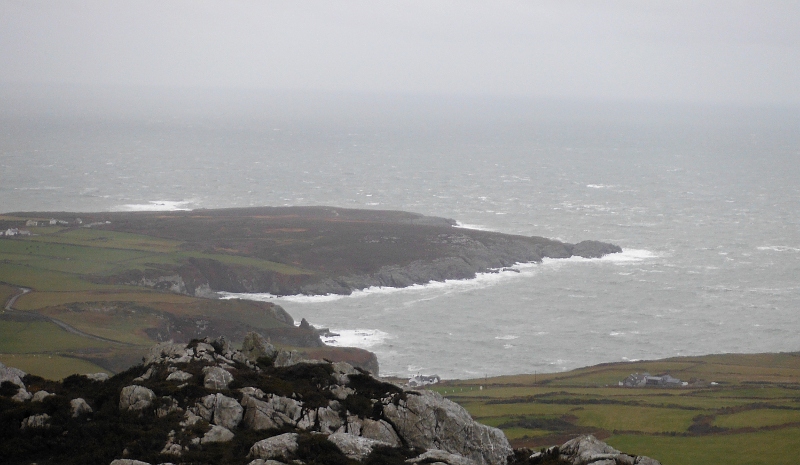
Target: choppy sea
705,203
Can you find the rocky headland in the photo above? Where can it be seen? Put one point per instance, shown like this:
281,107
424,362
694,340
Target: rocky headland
206,403
313,250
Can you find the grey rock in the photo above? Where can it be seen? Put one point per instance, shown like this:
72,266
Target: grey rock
220,410
276,447
329,419
168,352
135,397
179,376
594,249
217,434
79,407
128,462
274,412
39,396
216,378
98,376
588,449
430,421
355,447
380,430
255,345
41,421
252,391
265,462
440,456
15,375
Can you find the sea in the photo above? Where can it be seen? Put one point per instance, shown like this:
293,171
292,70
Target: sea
703,199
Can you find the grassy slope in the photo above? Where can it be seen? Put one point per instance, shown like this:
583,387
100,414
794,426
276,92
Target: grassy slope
751,416
58,263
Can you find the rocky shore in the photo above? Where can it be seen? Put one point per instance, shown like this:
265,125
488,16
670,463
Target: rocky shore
206,403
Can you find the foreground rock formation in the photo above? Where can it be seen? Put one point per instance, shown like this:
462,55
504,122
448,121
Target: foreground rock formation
204,402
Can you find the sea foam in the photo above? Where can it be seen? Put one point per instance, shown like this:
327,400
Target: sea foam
155,206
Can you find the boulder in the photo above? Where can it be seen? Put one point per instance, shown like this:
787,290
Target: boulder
255,346
380,430
79,407
135,397
274,412
39,396
265,462
429,421
440,457
587,449
355,447
98,376
41,421
276,447
179,376
217,434
128,462
14,376
216,378
220,409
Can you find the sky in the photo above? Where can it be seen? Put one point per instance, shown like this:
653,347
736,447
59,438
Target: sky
706,51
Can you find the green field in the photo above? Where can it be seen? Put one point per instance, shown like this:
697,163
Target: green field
751,415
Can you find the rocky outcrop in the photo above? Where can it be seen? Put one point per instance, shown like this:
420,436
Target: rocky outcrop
594,249
429,421
278,414
14,376
585,450
255,346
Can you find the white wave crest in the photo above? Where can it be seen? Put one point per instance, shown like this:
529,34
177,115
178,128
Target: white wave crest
779,248
361,338
154,206
476,227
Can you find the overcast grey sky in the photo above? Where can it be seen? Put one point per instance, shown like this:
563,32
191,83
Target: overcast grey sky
696,51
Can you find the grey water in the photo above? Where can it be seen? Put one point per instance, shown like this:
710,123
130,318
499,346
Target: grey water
704,202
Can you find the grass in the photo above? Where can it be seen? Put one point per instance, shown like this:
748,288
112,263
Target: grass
751,416
48,366
38,300
769,447
20,337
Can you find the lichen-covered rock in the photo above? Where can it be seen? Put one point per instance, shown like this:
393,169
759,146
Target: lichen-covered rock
380,430
255,346
588,449
355,447
79,407
276,447
41,421
429,421
216,378
135,397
